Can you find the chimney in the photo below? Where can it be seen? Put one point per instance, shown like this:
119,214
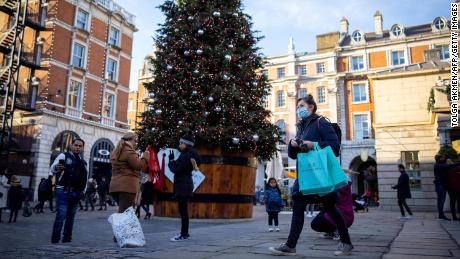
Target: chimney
291,46
344,26
378,24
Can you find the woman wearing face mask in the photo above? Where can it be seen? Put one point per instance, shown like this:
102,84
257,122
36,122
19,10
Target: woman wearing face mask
312,128
126,167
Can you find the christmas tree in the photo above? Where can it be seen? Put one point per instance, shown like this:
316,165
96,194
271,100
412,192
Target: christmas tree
208,80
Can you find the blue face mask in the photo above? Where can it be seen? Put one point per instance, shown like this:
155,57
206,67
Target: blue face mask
303,112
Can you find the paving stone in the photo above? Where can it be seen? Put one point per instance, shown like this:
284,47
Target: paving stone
420,251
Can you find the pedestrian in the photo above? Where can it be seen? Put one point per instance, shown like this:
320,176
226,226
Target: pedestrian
312,127
182,168
323,221
126,167
147,197
49,194
440,174
102,190
15,198
403,192
70,170
273,203
310,210
42,195
453,189
90,190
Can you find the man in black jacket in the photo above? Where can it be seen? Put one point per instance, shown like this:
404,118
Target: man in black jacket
403,188
182,168
440,175
71,177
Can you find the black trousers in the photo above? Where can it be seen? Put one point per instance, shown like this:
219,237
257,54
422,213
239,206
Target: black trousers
273,216
402,204
454,197
298,217
321,224
13,215
102,202
183,210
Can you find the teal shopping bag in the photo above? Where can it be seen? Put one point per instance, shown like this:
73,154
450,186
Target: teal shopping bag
313,174
336,174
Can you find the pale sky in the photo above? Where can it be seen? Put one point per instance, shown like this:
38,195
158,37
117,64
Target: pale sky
277,20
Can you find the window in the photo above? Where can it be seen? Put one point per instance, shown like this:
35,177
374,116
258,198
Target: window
74,96
282,127
78,57
302,70
281,72
320,68
302,92
444,51
397,30
439,23
109,106
130,105
357,63
360,126
82,19
114,35
410,160
357,36
321,93
281,98
359,92
397,58
112,69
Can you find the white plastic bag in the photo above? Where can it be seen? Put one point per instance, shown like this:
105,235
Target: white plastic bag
127,229
198,178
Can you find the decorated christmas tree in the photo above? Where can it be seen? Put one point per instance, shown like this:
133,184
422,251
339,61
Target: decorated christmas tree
208,80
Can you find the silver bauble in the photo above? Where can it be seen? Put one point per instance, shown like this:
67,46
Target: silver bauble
255,137
158,111
187,53
228,57
206,113
199,51
243,36
231,46
216,14
236,141
169,67
176,30
275,135
196,71
235,14
210,99
194,92
254,83
180,122
226,78
190,18
218,109
152,95
200,32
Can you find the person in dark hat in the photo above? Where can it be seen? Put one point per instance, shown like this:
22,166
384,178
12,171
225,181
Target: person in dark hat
182,168
15,198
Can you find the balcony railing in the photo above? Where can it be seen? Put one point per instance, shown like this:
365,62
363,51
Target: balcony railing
108,121
73,112
114,7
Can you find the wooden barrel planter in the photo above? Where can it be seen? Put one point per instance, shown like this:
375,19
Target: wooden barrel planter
227,191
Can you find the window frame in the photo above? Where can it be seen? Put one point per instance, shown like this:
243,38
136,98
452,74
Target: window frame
323,68
415,174
118,39
366,90
83,57
87,22
441,47
278,99
399,57
115,72
114,110
362,63
279,74
80,96
301,89
318,95
369,127
302,70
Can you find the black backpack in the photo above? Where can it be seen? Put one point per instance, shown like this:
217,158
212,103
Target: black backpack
337,130
44,186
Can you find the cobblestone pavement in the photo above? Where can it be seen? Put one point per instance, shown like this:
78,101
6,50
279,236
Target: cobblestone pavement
376,234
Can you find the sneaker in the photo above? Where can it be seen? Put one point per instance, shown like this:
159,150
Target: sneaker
277,229
270,229
336,236
344,249
282,249
309,215
409,217
179,238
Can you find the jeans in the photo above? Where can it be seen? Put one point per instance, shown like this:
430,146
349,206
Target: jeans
273,216
310,208
402,204
183,210
441,192
89,199
298,217
102,202
66,206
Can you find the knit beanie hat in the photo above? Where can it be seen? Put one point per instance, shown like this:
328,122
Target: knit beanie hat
187,140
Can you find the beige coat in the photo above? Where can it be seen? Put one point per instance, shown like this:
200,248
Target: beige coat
125,170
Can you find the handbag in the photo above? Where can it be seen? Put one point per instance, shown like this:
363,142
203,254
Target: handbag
335,171
313,172
127,229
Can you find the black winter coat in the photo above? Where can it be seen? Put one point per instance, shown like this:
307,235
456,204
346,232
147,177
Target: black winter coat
15,197
182,169
403,187
147,193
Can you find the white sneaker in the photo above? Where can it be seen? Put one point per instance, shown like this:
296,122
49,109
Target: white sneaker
309,215
270,229
409,217
277,229
344,249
